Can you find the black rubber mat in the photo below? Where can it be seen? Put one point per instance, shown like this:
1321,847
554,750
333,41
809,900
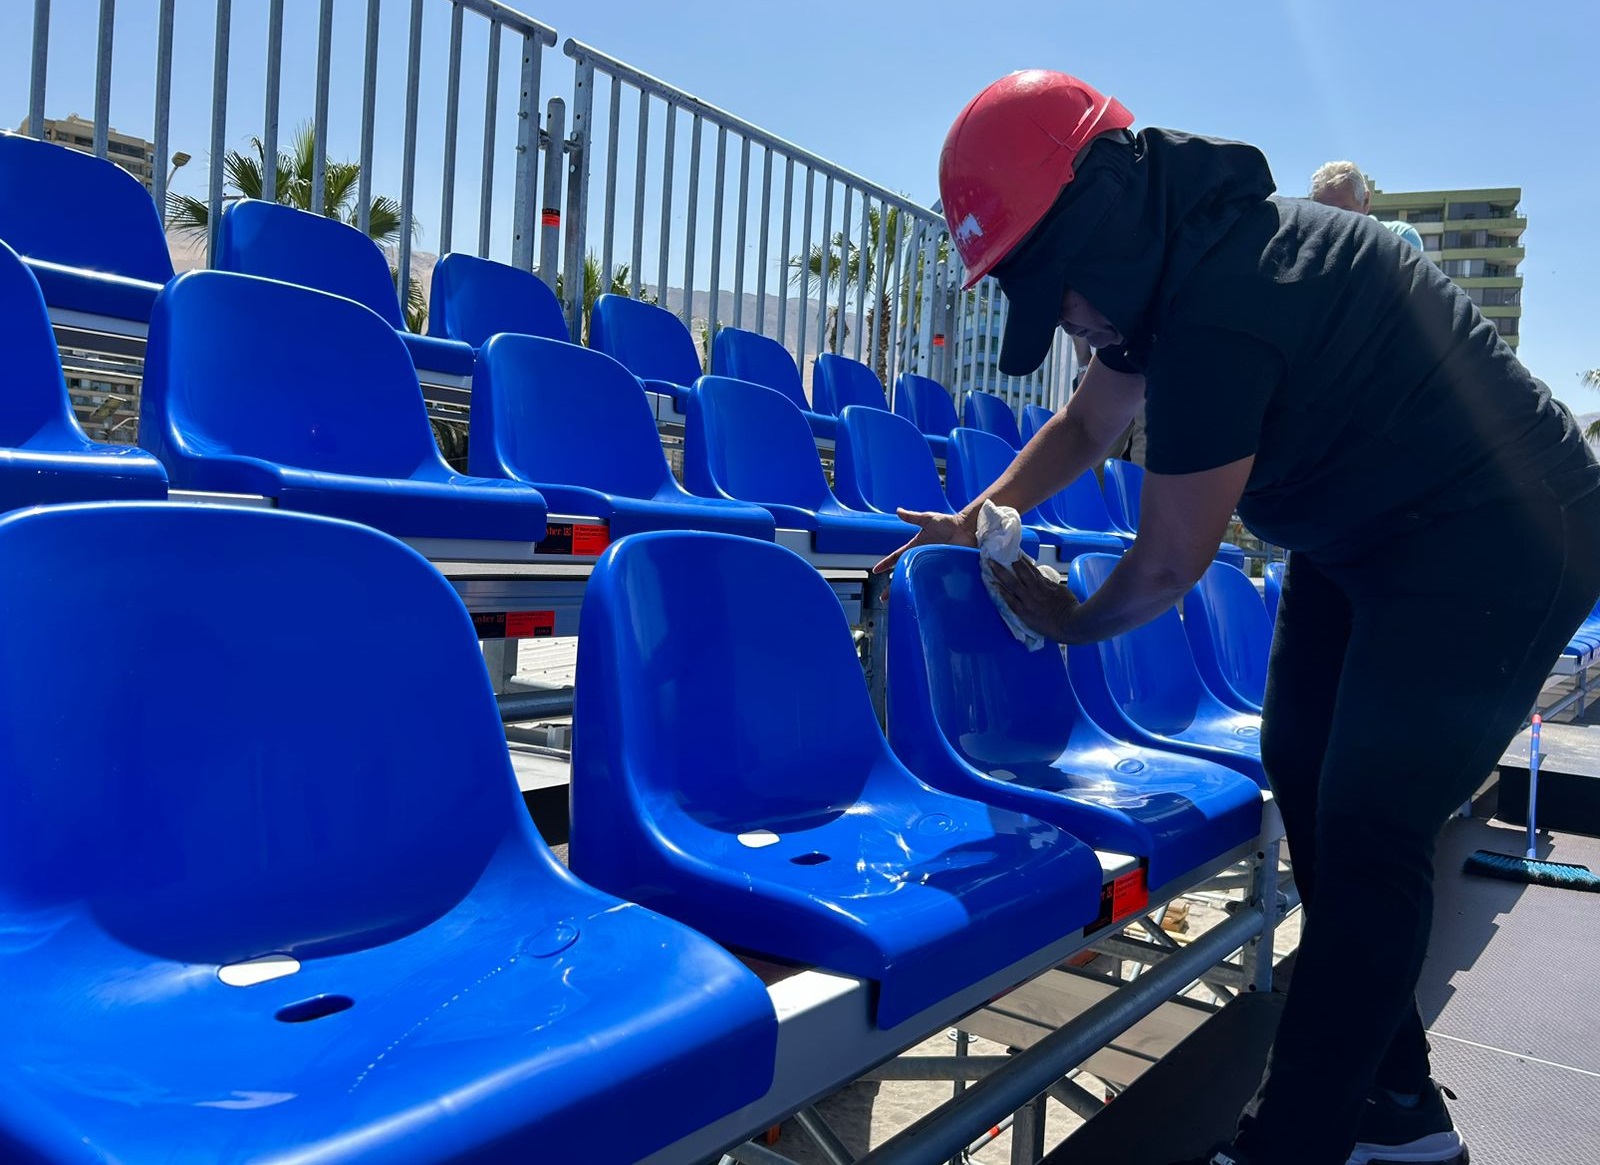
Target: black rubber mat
1511,966
1515,1111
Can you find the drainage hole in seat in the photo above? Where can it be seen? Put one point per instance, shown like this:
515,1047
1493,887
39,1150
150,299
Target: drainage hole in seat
314,1008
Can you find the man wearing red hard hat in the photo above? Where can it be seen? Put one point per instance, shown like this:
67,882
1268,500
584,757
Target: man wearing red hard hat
1305,367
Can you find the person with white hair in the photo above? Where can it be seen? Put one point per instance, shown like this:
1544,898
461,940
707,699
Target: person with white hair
1343,185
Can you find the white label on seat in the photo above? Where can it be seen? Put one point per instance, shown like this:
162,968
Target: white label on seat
262,970
1003,775
758,838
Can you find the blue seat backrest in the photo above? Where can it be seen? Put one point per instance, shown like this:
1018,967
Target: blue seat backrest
544,410
1150,670
248,367
793,718
1082,505
992,414
224,797
33,393
759,359
1033,419
931,406
475,298
71,208
751,443
647,340
1230,621
976,461
1123,482
881,462
839,382
311,250
1273,590
994,701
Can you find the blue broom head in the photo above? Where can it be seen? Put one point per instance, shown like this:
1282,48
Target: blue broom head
1532,871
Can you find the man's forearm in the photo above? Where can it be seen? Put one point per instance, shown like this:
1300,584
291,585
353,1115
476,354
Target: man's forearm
1071,442
1134,593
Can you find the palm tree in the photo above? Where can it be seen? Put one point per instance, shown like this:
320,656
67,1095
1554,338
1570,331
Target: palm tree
1591,379
594,281
244,177
846,260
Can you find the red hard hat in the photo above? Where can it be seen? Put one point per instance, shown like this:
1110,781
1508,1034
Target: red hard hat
1008,155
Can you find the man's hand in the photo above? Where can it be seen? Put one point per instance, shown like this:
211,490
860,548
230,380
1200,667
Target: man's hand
936,530
1044,607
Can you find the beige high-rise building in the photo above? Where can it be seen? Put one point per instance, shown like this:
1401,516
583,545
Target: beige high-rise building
135,155
1475,236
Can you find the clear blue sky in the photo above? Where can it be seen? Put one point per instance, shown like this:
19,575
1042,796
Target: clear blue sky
1461,95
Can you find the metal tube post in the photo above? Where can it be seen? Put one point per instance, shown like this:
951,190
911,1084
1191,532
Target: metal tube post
577,226
39,68
102,78
810,1120
408,157
491,107
269,121
319,124
555,143
452,115
219,125
163,141
369,116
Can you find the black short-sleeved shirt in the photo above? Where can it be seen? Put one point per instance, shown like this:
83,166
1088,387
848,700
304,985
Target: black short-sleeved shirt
1366,384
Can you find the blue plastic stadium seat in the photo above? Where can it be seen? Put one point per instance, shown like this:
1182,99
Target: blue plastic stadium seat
1033,419
1143,686
312,250
975,713
729,772
45,456
1230,636
882,463
258,387
1272,590
473,299
839,382
228,798
977,459
573,423
926,404
1124,483
992,414
750,444
1082,506
86,227
742,355
648,341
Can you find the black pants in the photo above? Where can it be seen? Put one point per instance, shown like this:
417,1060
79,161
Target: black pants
1395,685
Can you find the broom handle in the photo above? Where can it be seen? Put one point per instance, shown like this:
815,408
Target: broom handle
1533,788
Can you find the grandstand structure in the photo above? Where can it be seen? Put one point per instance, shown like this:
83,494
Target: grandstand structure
288,881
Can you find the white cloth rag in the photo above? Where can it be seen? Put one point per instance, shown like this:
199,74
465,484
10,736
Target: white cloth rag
1000,539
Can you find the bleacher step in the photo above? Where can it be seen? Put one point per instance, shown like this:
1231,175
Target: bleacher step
1039,1007
1208,1078
1569,780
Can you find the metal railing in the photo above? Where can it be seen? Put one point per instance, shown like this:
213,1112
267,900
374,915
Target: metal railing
740,227
725,222
519,144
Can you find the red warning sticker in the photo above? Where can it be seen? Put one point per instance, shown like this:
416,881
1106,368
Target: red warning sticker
514,624
549,217
1129,895
580,539
1120,898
